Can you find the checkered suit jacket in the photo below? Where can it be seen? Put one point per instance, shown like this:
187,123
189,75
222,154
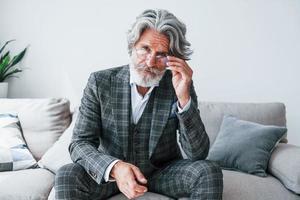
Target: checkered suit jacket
102,127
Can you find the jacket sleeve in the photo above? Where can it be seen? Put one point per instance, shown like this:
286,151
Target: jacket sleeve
193,137
86,135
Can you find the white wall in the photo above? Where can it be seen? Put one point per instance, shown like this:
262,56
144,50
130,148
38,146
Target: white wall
245,51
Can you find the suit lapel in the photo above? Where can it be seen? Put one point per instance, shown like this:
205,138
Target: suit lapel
121,102
163,100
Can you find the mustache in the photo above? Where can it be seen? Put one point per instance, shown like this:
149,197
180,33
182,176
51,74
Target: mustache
144,67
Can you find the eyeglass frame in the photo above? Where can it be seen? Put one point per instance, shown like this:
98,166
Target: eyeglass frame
145,55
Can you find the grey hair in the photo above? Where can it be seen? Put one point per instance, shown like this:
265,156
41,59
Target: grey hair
165,23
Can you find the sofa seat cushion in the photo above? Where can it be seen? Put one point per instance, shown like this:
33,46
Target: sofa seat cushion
285,165
33,184
146,196
244,186
237,185
42,120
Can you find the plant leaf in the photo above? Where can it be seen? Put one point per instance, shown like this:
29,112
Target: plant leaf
4,63
18,57
5,45
7,64
13,62
10,77
3,56
4,66
10,73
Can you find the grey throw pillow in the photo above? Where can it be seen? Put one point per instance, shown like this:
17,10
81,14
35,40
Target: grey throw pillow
245,146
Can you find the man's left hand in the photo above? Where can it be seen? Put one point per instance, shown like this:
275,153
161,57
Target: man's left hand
182,78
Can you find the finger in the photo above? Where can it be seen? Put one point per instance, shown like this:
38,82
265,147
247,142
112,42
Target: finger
175,59
126,193
139,176
126,188
141,189
178,60
132,193
133,185
176,64
173,70
174,73
179,70
129,193
138,195
181,65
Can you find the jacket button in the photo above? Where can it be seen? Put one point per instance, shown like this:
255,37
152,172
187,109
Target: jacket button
93,174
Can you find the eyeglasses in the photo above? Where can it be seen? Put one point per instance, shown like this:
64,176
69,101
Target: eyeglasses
144,53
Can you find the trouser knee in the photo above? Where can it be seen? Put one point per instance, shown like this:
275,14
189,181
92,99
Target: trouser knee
213,169
69,173
71,183
203,172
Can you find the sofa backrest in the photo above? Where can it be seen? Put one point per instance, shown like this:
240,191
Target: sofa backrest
264,113
42,120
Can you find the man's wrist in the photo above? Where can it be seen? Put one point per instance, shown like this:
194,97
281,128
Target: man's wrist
183,101
185,108
113,169
107,176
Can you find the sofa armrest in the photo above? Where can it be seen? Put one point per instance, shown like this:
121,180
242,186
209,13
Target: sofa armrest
285,165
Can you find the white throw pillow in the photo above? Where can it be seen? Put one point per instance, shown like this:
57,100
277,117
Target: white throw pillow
43,120
58,155
14,154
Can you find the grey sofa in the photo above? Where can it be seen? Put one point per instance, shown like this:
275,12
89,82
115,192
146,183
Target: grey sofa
46,129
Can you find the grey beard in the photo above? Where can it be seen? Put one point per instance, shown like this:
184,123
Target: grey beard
145,81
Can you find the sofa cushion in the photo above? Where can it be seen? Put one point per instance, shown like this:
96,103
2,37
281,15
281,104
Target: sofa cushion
146,196
245,146
42,120
58,155
237,185
285,165
29,184
243,186
212,114
14,154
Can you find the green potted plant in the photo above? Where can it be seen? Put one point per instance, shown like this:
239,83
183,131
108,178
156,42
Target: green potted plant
8,67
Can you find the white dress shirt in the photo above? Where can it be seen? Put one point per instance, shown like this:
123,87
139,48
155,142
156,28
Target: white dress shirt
138,104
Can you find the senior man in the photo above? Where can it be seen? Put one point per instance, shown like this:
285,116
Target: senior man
125,140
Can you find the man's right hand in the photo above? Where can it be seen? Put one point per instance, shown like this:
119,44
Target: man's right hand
129,179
